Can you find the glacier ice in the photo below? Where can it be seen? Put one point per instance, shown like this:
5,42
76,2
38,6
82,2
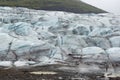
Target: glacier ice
49,36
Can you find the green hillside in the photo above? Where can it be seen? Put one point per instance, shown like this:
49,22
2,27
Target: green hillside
54,5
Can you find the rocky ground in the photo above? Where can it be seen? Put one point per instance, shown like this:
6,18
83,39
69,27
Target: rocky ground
24,74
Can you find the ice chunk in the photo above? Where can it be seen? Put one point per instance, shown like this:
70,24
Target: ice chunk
114,53
5,64
115,41
92,50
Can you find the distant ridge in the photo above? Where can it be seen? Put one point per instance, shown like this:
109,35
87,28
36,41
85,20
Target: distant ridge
74,6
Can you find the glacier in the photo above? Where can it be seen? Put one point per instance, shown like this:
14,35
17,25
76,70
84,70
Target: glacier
36,37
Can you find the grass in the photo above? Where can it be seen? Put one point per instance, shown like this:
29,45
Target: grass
54,5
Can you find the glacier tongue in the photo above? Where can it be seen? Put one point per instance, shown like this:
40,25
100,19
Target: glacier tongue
29,35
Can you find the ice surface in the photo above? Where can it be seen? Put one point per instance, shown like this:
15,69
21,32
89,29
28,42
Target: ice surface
114,53
6,64
48,37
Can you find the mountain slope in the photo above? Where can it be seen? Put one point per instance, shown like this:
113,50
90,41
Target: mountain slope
54,5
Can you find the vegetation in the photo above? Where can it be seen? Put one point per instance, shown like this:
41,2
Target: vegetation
54,5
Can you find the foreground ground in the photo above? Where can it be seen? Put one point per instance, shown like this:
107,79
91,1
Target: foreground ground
15,74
